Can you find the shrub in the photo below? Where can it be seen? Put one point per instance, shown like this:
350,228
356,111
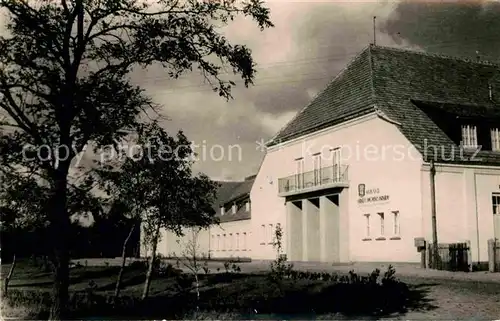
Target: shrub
184,282
167,270
368,295
27,304
350,294
42,263
205,268
231,267
235,268
280,269
139,264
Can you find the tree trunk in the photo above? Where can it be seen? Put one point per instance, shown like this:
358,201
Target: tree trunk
9,276
197,291
59,237
60,293
124,260
149,274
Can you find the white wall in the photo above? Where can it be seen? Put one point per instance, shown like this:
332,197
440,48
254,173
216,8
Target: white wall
392,167
172,245
238,235
463,206
450,205
486,183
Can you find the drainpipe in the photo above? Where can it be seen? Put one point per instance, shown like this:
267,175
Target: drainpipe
477,227
433,209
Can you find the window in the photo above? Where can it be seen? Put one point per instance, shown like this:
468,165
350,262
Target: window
495,200
336,164
263,234
230,247
224,242
299,172
395,216
244,242
222,210
213,241
218,242
247,207
237,241
235,208
469,136
367,220
495,139
270,234
299,165
317,168
381,216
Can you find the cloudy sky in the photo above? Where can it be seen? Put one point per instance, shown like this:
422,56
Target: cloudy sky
311,42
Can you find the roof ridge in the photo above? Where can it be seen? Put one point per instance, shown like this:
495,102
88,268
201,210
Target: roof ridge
449,102
346,116
340,73
227,181
439,55
372,78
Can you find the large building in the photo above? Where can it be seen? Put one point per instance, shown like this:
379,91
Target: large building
349,178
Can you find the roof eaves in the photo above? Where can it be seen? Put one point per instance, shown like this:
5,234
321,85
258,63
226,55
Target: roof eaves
234,217
384,116
238,198
332,122
438,55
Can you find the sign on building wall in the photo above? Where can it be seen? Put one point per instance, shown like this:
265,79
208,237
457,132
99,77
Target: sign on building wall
371,195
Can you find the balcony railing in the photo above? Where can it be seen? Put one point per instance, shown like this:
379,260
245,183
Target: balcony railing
325,177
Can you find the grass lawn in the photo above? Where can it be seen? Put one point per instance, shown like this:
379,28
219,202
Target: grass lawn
222,295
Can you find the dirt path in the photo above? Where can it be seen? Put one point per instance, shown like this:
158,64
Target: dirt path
456,300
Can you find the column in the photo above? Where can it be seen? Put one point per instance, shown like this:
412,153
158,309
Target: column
310,230
344,249
329,228
294,231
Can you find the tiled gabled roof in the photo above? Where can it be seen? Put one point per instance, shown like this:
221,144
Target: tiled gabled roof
232,190
392,79
229,192
348,93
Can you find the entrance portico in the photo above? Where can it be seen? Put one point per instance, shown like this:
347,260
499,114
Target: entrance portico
317,227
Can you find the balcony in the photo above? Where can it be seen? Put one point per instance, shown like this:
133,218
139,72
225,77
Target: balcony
326,177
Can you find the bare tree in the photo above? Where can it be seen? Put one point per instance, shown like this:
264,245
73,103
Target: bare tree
192,259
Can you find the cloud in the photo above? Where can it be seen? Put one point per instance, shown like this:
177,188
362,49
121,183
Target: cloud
452,28
273,123
311,43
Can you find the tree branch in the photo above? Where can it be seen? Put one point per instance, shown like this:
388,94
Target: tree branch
16,113
65,7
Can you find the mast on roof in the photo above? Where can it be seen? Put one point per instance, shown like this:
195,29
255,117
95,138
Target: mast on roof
374,33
